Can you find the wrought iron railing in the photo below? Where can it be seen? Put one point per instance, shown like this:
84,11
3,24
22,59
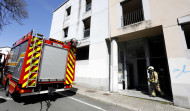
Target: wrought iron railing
87,33
88,7
132,17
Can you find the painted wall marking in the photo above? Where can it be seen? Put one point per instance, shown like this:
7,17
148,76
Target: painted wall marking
180,72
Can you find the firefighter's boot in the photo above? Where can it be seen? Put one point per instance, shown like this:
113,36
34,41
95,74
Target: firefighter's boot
153,94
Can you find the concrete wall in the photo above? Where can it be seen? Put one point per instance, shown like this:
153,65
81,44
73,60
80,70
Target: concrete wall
94,72
163,13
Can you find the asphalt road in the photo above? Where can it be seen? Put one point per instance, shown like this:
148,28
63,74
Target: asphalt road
63,101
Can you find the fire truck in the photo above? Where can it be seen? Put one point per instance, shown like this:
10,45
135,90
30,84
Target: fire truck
37,65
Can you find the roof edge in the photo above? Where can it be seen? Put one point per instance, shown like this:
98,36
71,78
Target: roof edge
61,5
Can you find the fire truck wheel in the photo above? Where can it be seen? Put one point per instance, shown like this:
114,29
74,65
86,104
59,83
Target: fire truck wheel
7,88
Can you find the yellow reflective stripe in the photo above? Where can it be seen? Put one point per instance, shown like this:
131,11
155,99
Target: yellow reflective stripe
71,51
67,82
39,42
22,55
28,61
70,68
34,51
36,62
71,63
26,76
34,76
12,64
69,79
27,68
37,55
71,57
23,85
30,48
70,73
33,83
34,69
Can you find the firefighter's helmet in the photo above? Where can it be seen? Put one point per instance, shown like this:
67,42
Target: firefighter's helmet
150,68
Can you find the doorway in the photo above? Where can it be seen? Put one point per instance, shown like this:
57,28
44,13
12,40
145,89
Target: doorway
137,55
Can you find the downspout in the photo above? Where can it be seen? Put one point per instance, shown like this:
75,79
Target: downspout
110,55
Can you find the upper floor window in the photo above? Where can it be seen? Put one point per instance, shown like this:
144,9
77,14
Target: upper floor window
88,5
186,29
132,12
87,27
68,11
66,32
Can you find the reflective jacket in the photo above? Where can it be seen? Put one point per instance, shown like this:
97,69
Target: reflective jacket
153,77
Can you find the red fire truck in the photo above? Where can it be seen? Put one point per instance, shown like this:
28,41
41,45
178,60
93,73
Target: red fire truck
37,65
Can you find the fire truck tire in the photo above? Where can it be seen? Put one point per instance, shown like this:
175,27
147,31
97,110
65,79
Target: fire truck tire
7,88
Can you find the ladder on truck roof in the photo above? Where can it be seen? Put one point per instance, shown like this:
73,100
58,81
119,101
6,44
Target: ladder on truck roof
38,40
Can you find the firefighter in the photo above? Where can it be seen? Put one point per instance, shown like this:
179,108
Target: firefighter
154,83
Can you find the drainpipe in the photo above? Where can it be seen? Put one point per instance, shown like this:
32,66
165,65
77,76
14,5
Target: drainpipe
110,55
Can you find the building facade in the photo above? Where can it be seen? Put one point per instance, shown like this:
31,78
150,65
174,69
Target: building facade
86,21
156,33
119,39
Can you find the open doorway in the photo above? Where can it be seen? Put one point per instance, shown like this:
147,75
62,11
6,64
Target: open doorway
137,56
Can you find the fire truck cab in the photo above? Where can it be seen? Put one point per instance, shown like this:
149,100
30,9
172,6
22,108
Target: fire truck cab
37,65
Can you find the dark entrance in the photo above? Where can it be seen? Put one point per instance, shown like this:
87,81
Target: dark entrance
141,53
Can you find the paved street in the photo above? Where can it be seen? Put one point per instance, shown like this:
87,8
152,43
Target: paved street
64,101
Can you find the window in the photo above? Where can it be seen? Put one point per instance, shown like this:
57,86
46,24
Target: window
15,54
66,32
132,12
83,53
87,27
88,5
68,11
186,29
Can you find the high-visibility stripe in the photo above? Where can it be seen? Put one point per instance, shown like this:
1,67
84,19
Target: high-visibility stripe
70,68
34,76
67,82
34,82
32,62
12,64
69,79
36,50
24,85
27,69
26,76
22,55
35,69
70,62
70,74
71,51
71,57
12,84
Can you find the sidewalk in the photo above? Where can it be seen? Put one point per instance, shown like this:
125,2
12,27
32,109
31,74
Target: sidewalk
132,103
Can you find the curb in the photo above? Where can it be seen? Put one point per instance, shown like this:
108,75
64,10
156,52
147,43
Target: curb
128,107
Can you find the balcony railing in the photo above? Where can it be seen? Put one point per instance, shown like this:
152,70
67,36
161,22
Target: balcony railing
88,7
132,17
87,33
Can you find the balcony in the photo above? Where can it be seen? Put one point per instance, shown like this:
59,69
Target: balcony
88,7
86,33
132,17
